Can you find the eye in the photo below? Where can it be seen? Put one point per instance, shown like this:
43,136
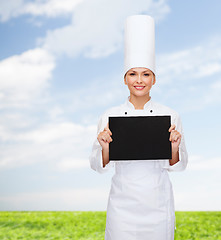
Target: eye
131,74
146,74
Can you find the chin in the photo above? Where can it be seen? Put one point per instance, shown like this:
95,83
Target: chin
140,94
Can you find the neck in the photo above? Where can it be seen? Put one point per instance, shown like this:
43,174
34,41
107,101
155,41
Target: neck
139,102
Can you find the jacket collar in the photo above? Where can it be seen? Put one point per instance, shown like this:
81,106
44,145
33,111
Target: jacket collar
131,106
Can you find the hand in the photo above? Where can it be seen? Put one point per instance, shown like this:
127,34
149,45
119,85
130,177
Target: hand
104,138
175,138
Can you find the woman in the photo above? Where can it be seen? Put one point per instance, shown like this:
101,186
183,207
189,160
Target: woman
140,205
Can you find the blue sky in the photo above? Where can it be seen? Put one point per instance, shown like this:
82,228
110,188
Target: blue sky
61,67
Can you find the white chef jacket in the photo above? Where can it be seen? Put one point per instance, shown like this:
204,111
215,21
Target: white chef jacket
140,205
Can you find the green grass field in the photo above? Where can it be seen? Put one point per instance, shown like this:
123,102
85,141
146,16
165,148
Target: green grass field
91,225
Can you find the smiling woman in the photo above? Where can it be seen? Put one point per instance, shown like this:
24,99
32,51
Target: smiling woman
139,82
140,203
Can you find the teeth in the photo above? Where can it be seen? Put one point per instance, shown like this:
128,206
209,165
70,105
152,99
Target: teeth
139,87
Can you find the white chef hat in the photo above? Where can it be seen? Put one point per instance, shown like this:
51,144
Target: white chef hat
139,43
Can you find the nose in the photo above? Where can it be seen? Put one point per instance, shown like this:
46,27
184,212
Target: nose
139,79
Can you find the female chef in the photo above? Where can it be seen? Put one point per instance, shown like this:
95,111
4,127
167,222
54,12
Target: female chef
140,205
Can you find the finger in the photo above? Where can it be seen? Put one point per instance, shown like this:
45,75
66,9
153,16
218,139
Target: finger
100,140
109,139
176,135
172,127
177,141
107,134
103,136
175,138
99,137
107,127
171,135
104,139
178,138
108,130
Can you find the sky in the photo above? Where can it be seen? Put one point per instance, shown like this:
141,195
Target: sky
61,67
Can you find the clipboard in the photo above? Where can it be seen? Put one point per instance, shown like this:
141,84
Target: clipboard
140,138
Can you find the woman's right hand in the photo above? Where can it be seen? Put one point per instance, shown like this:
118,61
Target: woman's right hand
104,138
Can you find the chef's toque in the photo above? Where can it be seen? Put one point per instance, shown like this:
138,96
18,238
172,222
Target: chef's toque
139,43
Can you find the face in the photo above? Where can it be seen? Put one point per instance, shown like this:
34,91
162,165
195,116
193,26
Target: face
139,81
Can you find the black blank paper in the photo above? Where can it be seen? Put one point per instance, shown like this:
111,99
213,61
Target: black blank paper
140,138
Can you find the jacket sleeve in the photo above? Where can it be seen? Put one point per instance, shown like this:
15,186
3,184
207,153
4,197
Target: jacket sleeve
96,161
183,155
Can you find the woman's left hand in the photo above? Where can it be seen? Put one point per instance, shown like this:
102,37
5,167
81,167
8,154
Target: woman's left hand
175,138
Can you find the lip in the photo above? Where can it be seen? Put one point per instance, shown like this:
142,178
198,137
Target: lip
139,87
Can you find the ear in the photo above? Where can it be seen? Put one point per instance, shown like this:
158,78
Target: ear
154,79
125,80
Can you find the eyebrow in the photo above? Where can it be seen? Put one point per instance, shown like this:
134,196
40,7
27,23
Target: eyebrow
148,71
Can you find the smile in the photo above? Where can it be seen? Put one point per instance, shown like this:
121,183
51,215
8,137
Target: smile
139,87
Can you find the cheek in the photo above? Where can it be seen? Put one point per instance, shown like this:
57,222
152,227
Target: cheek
129,81
149,82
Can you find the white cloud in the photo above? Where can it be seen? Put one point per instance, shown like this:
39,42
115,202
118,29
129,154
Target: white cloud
49,8
197,188
71,163
59,200
99,93
199,199
199,163
66,145
213,94
56,112
54,8
181,74
9,9
53,132
15,120
191,64
191,76
24,77
97,26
